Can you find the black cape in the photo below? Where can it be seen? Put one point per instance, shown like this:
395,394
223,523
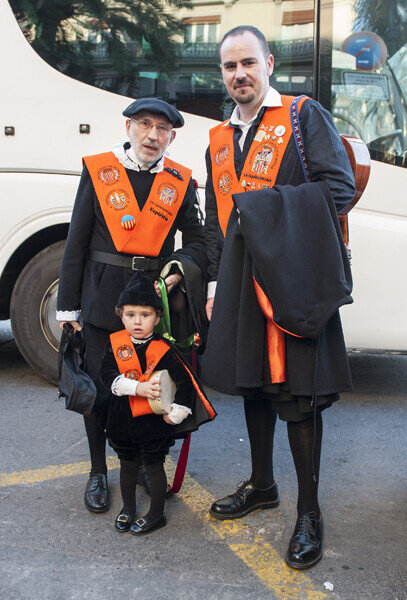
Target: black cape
289,240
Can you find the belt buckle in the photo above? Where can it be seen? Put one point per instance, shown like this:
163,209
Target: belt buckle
133,263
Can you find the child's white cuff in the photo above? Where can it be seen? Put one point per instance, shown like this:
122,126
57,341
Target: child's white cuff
178,413
123,386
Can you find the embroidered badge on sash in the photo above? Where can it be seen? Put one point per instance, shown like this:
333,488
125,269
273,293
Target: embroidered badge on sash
149,368
132,374
124,352
221,155
108,175
118,199
225,182
263,158
168,194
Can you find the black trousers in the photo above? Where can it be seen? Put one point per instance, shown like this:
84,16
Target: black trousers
95,341
305,438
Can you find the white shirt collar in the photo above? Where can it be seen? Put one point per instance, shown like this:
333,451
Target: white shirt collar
129,160
271,99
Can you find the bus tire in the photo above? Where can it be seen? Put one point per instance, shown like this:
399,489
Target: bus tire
32,311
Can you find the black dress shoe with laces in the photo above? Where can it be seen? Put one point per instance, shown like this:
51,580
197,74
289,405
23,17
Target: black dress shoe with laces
305,548
143,526
97,493
123,522
246,499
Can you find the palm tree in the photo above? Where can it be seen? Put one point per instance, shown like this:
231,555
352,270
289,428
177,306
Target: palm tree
66,33
387,18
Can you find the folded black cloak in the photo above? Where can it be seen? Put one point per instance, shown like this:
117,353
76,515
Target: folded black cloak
289,240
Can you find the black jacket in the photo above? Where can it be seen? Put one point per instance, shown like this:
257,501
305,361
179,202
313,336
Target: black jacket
327,161
94,287
122,429
289,240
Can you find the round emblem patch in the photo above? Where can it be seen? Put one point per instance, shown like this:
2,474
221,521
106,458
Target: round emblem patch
132,374
118,200
108,175
124,352
263,158
128,222
221,154
279,130
225,182
167,194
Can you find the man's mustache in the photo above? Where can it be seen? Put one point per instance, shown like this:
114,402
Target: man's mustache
241,82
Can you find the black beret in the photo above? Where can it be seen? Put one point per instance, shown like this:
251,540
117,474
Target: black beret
155,105
140,291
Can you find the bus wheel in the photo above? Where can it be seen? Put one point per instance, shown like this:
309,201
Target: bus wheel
32,311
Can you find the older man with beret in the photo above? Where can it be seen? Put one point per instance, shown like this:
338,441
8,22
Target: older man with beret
130,203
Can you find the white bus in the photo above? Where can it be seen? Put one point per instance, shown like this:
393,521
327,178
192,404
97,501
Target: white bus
62,98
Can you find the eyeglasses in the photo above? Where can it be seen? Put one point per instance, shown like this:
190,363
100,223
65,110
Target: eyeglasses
145,126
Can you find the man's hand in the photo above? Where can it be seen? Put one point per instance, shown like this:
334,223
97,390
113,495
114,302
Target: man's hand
152,391
74,324
170,283
209,308
168,420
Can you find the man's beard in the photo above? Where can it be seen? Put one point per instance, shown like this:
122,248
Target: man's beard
244,98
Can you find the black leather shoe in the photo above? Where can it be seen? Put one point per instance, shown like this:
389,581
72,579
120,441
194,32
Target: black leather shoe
305,547
123,522
142,526
143,480
246,499
97,493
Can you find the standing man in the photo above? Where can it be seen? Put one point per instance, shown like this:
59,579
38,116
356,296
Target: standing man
129,205
292,376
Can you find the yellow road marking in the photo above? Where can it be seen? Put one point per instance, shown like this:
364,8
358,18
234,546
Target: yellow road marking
52,472
258,554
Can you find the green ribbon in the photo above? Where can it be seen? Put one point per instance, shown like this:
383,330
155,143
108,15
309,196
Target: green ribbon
164,326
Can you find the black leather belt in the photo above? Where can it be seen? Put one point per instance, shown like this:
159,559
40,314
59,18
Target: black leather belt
137,263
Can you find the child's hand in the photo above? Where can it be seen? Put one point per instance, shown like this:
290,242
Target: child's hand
149,390
168,420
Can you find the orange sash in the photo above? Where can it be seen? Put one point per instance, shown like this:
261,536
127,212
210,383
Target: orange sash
139,233
129,365
263,160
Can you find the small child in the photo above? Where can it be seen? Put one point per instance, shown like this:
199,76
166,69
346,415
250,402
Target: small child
138,435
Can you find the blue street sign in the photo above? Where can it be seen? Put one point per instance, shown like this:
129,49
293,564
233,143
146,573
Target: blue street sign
368,48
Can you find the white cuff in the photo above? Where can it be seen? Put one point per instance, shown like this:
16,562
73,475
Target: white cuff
123,386
68,315
178,413
211,289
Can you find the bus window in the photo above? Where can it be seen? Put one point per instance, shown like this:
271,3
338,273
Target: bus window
369,76
138,57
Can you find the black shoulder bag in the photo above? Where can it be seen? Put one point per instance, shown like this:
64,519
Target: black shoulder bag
74,384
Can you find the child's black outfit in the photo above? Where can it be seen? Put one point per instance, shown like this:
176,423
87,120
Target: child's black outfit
146,439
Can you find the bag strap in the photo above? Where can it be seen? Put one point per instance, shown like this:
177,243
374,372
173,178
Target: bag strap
183,455
299,142
167,321
181,466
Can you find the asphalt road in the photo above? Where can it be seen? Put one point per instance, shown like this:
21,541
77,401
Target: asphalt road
51,548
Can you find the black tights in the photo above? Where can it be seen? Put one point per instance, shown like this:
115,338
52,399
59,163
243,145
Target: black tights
301,438
158,487
97,444
260,421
